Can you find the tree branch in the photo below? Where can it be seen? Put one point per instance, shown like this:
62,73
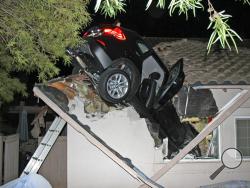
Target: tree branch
29,26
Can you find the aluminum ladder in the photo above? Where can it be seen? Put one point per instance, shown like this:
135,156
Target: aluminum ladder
44,147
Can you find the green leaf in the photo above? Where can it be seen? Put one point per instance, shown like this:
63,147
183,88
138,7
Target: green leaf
111,8
148,4
245,2
184,6
222,30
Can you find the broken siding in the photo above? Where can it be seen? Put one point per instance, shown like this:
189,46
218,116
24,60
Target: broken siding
195,103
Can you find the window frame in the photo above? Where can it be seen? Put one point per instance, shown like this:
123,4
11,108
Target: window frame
245,158
219,143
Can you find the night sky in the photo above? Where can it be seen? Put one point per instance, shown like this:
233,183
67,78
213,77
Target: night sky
156,22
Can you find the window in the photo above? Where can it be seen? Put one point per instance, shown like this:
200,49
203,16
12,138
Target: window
198,107
209,146
213,149
243,136
143,48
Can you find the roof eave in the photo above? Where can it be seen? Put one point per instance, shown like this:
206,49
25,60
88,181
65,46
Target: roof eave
247,87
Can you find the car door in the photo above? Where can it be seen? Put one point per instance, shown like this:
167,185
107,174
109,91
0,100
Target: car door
173,84
151,63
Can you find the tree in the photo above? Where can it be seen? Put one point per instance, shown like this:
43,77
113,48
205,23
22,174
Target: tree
218,20
33,37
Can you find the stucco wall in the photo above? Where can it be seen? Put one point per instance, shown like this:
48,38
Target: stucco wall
123,131
228,128
88,167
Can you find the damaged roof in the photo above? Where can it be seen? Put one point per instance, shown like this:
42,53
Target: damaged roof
219,67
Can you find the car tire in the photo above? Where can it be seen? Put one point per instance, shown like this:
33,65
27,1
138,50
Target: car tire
132,71
110,87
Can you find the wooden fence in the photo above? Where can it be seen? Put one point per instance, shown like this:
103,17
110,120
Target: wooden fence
9,158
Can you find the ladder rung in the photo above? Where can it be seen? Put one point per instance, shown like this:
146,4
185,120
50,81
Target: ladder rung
53,130
37,159
45,144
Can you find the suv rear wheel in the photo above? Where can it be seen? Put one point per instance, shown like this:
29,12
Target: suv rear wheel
132,71
114,85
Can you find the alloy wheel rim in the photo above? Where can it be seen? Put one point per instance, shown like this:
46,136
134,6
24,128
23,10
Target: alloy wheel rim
117,86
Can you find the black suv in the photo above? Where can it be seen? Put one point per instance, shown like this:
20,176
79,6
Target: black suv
120,64
124,69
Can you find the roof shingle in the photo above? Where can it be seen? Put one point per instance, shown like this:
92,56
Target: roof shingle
219,67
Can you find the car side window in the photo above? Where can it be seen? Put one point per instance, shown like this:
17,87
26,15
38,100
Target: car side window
143,48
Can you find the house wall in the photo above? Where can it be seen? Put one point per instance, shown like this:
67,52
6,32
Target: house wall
122,131
89,167
54,168
228,128
194,173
